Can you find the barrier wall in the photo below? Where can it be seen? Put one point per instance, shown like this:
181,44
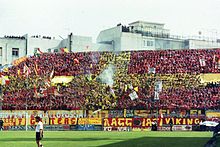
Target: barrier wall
147,122
102,113
107,120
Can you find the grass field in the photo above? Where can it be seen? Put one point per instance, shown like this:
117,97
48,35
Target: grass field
106,139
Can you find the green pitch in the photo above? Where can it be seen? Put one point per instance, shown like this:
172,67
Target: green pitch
106,139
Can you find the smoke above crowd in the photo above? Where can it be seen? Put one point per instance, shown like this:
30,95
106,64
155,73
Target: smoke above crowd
107,76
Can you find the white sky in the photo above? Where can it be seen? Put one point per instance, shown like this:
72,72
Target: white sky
89,17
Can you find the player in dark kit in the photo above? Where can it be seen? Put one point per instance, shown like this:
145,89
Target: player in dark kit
1,124
39,131
171,124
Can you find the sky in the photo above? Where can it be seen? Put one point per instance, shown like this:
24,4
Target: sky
89,17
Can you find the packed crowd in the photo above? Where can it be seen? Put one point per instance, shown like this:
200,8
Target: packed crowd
133,86
175,61
181,99
68,64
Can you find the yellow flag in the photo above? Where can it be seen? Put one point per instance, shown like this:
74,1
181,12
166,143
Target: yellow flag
5,69
19,72
136,89
126,87
66,50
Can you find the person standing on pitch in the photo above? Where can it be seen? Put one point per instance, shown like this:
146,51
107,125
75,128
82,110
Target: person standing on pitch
171,124
39,131
1,124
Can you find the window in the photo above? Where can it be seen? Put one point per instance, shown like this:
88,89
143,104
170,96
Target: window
151,43
145,43
0,51
49,50
15,51
148,43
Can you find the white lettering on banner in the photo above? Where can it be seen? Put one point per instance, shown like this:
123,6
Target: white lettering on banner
66,114
122,129
177,128
107,128
19,114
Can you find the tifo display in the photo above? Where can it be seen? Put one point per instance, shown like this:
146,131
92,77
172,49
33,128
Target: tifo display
177,80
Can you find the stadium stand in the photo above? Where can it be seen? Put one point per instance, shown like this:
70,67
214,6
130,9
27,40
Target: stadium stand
131,86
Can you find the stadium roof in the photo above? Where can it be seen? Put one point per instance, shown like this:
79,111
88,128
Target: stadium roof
145,22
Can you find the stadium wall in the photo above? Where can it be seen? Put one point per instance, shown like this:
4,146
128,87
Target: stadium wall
107,120
200,44
43,44
112,37
6,46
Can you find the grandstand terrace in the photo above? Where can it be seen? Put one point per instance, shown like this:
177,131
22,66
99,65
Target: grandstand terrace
134,76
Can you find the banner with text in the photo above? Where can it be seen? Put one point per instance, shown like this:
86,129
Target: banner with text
147,122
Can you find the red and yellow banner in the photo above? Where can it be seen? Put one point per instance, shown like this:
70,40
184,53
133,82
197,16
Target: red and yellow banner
19,60
182,121
98,114
118,122
65,113
211,114
142,113
14,121
107,122
147,122
63,121
91,121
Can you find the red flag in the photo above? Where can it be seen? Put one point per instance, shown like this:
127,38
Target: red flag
76,61
19,72
39,51
36,94
49,79
36,68
26,70
51,74
216,61
4,80
64,50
